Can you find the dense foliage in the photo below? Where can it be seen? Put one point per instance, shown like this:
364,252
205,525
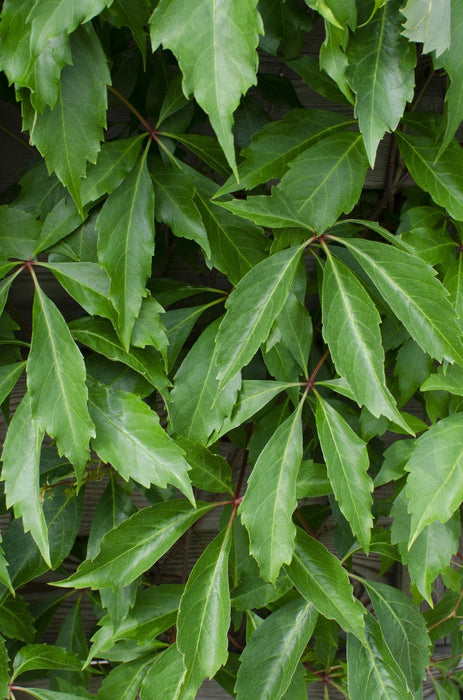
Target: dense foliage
195,211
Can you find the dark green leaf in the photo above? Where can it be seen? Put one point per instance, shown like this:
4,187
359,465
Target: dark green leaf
130,437
16,620
205,607
56,381
4,670
44,656
209,471
321,579
126,244
87,283
19,233
135,545
273,651
148,328
113,508
347,465
59,223
216,51
124,681
133,14
270,499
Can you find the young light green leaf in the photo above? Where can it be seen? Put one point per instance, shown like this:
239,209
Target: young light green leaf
98,334
130,437
135,545
351,329
9,375
372,670
273,651
69,135
87,283
435,480
56,381
209,471
126,244
197,406
175,206
404,630
251,309
216,52
115,161
414,294
436,173
278,143
34,657
381,73
20,472
323,181
321,579
428,23
449,31
205,607
347,464
270,499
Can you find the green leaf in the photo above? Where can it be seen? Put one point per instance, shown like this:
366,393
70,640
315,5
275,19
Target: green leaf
216,51
372,671
87,283
251,309
273,651
404,630
428,23
435,480
148,328
50,18
113,508
333,59
42,694
133,14
20,472
337,12
197,406
175,206
44,656
351,330
278,143
321,579
414,294
295,328
165,677
236,244
412,367
438,174
4,670
205,607
308,68
449,31
115,161
69,135
99,335
347,464
56,381
381,73
209,471
19,233
135,545
16,620
207,148
124,681
9,375
253,592
270,498
323,181
126,244
447,378
453,282
130,437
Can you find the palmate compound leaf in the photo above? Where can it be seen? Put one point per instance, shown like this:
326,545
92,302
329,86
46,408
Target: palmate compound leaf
130,437
435,480
273,651
381,73
69,135
428,23
216,51
347,464
270,500
126,244
56,381
436,173
320,578
351,330
404,630
20,473
135,545
415,295
278,143
197,405
251,309
372,670
205,608
323,181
